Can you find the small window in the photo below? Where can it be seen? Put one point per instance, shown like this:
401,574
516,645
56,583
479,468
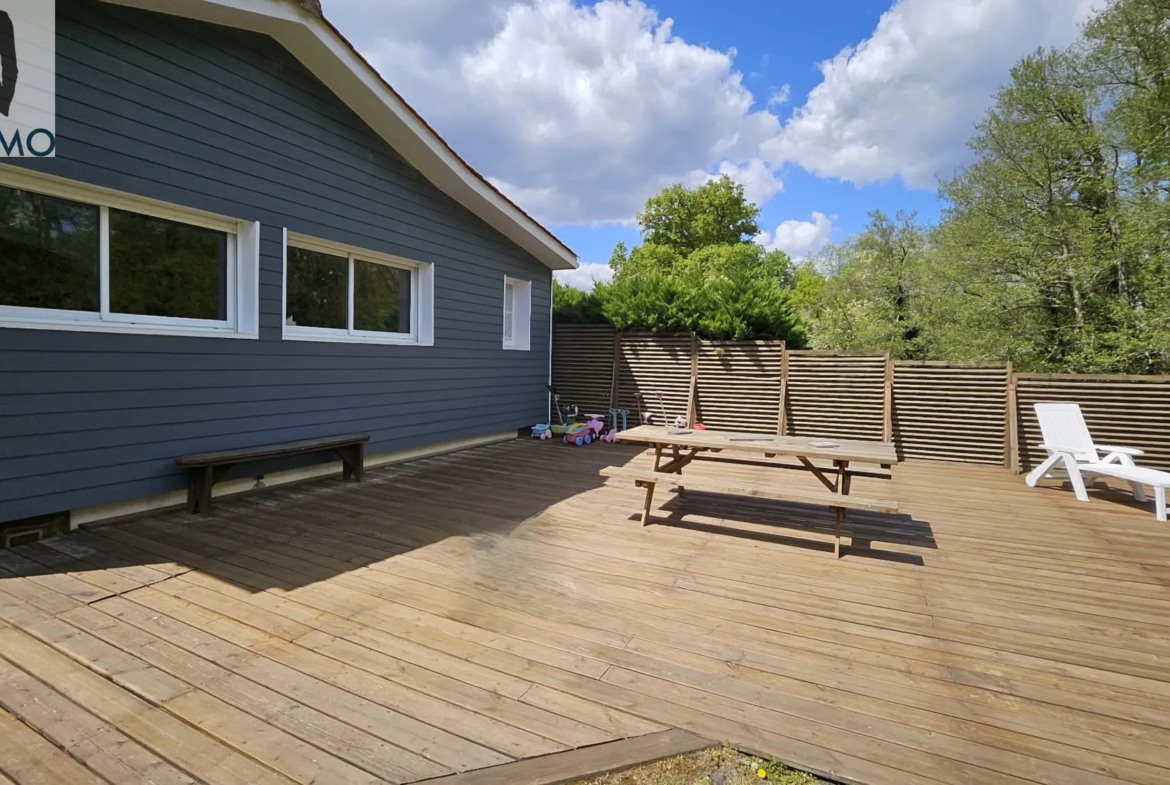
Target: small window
517,313
117,263
333,293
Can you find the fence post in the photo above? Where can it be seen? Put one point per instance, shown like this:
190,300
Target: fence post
691,397
888,403
782,420
1011,454
613,374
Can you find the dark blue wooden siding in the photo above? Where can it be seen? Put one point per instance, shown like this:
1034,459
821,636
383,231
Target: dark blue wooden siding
228,121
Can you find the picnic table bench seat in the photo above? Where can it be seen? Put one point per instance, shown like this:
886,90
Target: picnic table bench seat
675,449
649,479
870,472
207,468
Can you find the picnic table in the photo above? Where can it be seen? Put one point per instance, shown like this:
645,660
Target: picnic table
829,460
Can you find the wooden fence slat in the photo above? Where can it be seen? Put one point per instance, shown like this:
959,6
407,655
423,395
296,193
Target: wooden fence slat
739,385
836,394
937,419
649,363
583,365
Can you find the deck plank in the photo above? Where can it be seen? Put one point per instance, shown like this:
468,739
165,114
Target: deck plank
501,604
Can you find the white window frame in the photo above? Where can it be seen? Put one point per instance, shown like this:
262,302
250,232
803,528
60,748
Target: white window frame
422,294
521,340
243,266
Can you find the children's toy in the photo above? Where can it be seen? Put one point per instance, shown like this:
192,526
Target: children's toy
618,418
566,414
680,422
661,396
578,433
643,417
596,424
542,432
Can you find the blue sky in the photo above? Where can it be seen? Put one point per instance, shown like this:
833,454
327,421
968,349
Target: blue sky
782,45
581,109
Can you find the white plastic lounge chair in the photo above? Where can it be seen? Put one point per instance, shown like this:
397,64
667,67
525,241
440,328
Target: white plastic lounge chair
1071,451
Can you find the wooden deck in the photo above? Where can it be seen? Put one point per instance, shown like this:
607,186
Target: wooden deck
503,603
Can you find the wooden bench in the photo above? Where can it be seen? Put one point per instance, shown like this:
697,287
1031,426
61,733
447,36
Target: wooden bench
835,501
207,468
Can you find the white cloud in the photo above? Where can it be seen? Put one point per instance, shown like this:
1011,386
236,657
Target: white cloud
781,96
578,112
799,239
904,101
586,276
759,180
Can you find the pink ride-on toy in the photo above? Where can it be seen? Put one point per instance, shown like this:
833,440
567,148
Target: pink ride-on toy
618,418
596,424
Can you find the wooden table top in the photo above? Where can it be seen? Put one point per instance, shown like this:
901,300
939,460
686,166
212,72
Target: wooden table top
882,453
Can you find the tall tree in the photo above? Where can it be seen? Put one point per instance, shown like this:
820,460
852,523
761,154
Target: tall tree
1034,230
698,269
686,219
870,293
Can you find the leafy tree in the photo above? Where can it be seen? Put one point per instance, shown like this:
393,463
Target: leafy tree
1041,228
1054,249
873,293
573,306
685,219
721,292
697,270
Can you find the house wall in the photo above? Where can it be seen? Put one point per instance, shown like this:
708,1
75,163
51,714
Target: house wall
229,122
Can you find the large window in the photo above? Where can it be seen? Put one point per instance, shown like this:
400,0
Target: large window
517,314
336,293
75,257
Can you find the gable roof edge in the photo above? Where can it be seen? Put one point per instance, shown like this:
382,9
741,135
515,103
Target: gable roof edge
299,26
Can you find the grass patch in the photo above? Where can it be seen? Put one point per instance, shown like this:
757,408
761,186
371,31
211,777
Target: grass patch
719,766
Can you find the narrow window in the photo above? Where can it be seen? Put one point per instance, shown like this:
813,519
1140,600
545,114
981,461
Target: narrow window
509,312
517,313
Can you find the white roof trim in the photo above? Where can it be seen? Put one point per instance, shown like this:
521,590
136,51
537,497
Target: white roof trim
337,64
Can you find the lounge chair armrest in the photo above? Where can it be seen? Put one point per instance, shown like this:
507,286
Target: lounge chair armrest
1132,451
1055,448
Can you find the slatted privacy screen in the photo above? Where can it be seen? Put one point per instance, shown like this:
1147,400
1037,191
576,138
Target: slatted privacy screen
1131,411
934,411
951,412
836,395
648,363
582,365
739,385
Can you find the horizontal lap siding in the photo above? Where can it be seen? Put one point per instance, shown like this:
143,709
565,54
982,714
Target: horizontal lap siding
229,122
